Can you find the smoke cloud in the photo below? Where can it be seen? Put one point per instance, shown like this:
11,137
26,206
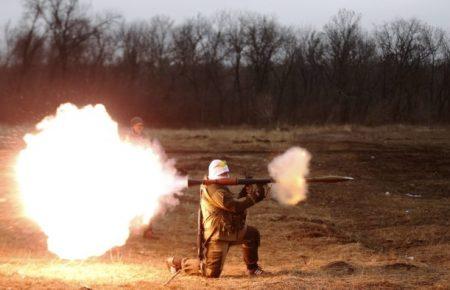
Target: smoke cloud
289,171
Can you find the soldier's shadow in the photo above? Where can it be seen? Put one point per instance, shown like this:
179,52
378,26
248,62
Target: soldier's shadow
296,273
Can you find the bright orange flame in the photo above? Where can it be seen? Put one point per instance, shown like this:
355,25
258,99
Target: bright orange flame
83,184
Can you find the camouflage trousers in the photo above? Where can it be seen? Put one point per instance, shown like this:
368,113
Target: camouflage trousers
216,252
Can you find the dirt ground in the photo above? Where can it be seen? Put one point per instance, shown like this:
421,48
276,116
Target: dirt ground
388,229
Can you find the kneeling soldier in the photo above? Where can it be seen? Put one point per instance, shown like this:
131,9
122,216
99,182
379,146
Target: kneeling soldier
222,223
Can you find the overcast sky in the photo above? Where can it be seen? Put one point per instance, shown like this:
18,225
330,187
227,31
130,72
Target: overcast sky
292,12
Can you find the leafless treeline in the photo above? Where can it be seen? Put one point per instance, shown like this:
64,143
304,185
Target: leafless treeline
233,68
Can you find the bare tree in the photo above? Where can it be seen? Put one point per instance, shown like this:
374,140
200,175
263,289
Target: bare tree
236,44
286,59
69,27
29,40
403,53
263,39
213,53
186,57
343,35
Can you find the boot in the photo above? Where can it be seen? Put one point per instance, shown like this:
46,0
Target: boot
255,271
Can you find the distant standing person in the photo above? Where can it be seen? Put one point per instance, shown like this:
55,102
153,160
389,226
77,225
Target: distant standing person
136,135
136,132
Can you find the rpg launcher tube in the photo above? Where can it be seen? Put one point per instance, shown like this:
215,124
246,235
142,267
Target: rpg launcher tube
244,181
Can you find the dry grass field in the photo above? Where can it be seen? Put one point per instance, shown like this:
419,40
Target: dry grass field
388,229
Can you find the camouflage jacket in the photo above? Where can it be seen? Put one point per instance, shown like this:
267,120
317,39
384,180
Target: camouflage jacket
223,213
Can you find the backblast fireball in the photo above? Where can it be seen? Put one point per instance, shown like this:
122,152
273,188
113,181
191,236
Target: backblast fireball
83,185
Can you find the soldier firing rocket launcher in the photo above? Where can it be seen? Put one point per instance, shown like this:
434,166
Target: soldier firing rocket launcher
222,214
288,174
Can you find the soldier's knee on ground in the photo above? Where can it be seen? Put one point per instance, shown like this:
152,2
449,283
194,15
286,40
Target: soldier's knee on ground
216,253
213,266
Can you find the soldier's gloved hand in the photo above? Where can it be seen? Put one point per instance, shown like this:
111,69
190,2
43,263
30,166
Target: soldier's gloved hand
246,190
262,190
249,188
258,194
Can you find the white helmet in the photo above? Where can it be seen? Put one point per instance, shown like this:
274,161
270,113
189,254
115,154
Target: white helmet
216,168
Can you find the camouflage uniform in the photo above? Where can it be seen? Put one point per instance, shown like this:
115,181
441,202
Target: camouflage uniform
224,225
